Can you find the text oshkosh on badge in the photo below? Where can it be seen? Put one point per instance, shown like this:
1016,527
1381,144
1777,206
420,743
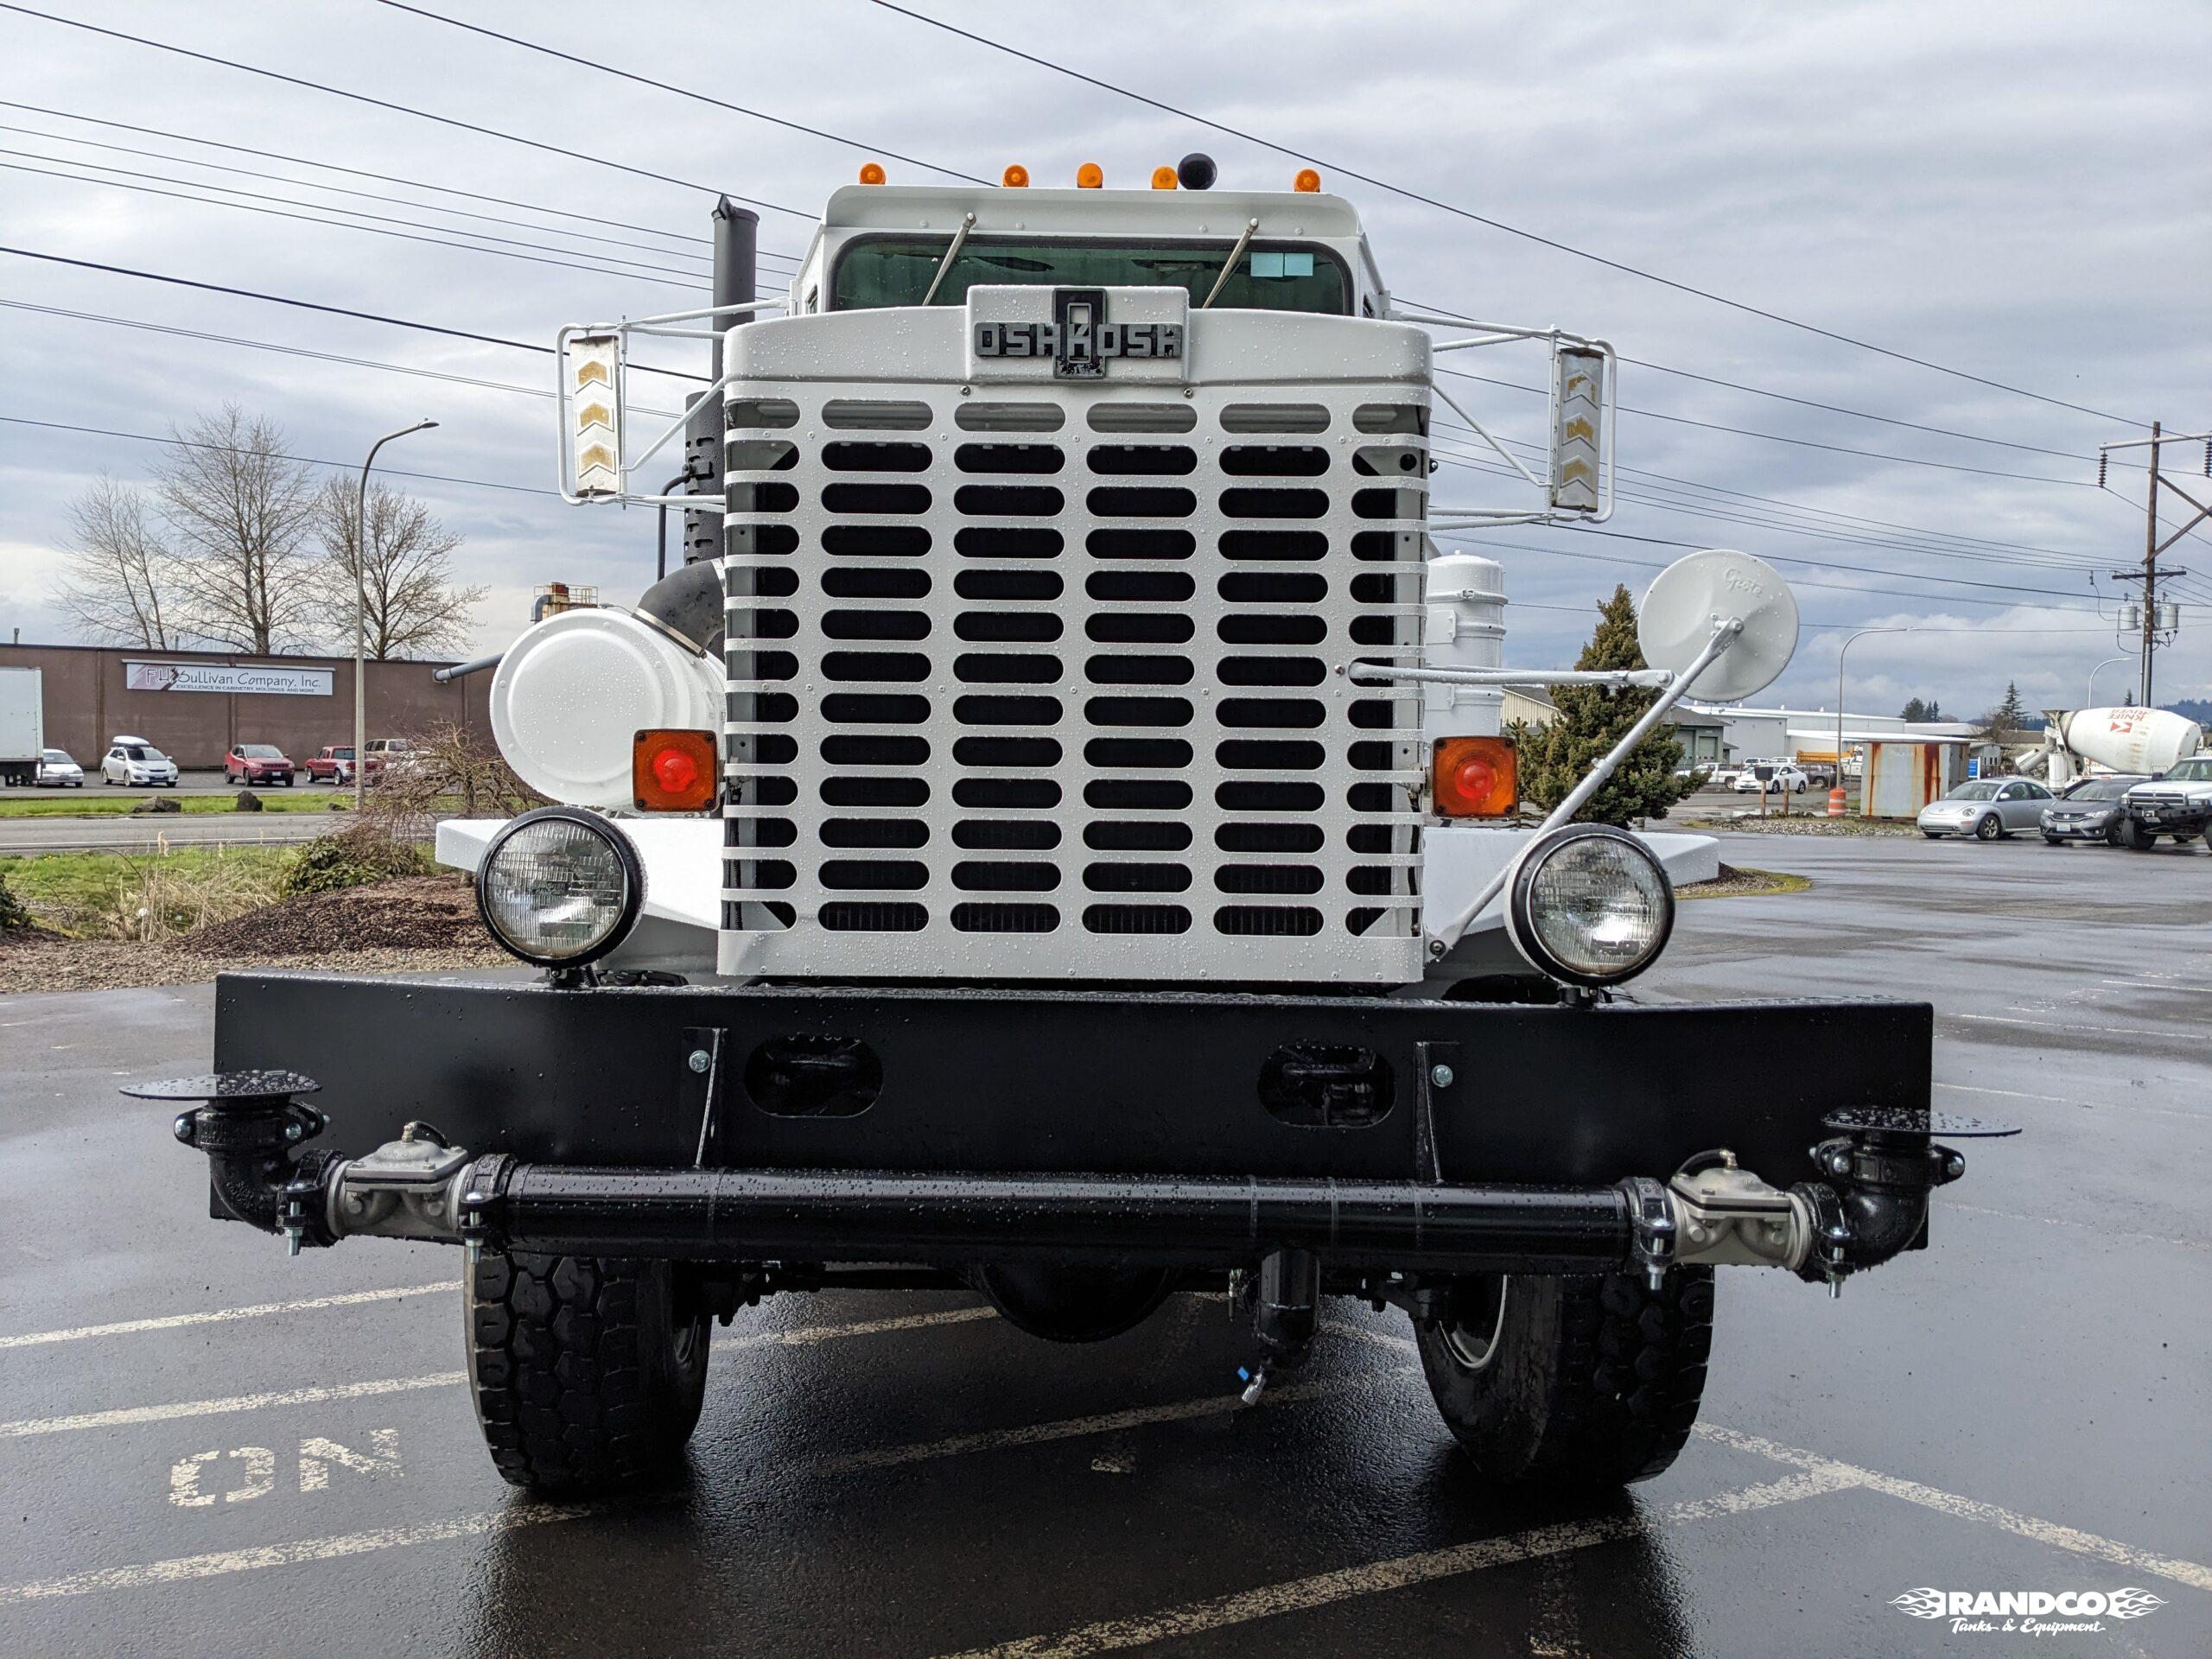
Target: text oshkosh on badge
2031,1612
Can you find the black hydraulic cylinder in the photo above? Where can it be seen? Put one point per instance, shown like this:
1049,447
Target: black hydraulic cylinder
780,1215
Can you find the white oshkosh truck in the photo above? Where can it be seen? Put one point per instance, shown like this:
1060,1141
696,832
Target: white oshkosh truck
1054,838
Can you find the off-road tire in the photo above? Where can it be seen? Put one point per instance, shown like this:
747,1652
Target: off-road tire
1591,1381
2132,838
588,1375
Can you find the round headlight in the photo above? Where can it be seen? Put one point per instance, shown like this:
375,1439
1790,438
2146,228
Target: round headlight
560,887
1590,905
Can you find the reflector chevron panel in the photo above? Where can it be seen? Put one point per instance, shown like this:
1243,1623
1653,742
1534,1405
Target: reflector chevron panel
1578,379
594,368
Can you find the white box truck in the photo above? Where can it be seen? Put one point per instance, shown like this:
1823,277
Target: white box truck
22,725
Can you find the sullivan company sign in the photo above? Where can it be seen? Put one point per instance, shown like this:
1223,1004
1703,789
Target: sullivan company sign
226,677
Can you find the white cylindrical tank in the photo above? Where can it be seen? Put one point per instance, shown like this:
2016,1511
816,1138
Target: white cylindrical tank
1464,628
572,693
2129,740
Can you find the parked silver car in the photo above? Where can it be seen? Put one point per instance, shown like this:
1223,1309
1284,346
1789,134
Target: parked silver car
1986,809
57,770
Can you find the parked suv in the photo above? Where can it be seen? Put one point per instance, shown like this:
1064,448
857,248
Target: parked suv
394,754
2178,804
257,763
134,760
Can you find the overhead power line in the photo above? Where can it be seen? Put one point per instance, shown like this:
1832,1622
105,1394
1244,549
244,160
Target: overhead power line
1459,211
313,305
681,91
694,281
407,109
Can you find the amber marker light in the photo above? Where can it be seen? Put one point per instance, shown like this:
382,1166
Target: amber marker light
1163,178
871,172
1475,778
1090,176
672,770
1016,177
1307,181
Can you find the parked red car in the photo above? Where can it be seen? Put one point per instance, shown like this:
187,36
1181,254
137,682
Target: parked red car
333,765
257,763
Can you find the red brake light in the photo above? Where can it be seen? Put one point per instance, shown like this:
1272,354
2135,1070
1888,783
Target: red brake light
673,771
1475,778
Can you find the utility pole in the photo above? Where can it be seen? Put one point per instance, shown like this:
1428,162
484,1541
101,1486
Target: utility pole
2148,575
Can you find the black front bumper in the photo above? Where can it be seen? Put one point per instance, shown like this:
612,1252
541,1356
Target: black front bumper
780,1120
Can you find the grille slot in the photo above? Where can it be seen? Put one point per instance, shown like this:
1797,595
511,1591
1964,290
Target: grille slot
938,733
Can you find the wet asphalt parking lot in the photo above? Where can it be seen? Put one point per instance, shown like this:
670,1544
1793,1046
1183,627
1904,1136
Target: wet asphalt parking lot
205,1447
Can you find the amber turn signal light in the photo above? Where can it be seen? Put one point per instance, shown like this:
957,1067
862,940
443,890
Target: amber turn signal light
1307,181
871,172
673,771
1475,776
1090,176
1163,178
1016,177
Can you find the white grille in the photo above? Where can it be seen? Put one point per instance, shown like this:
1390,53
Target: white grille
1042,682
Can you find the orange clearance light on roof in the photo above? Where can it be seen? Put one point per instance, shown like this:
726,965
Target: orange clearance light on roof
672,770
1090,176
1475,776
1016,177
871,172
1307,180
1163,178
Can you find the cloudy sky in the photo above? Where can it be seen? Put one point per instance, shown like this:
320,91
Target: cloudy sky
2022,192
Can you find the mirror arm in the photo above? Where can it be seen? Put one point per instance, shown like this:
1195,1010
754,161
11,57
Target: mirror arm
1725,635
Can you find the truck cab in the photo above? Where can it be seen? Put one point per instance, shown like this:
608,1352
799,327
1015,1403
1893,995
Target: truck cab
1056,839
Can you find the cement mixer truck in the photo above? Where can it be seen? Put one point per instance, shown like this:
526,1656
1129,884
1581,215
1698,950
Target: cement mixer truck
1054,839
2177,801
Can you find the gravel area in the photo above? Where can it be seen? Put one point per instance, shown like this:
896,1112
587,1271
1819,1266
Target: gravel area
1755,825
417,923
1735,883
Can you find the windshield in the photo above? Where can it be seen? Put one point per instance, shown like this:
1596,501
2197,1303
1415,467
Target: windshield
898,270
2196,770
261,751
2101,790
1974,792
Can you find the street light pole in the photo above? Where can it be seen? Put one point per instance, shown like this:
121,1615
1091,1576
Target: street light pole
2099,669
1863,779
361,614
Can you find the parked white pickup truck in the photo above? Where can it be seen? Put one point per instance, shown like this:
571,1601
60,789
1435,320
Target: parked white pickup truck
2179,804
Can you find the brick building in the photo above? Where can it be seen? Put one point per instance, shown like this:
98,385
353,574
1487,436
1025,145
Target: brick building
193,705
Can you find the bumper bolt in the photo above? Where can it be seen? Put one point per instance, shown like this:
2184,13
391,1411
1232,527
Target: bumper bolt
700,1060
1440,1076
1954,1165
1839,1164
182,1127
291,1131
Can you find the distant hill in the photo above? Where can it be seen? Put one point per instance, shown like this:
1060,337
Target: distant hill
2195,708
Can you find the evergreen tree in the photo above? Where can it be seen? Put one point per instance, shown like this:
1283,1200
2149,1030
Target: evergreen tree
1554,758
1915,709
1934,710
2008,716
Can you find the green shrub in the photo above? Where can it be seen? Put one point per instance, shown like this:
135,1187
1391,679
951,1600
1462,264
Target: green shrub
12,914
352,857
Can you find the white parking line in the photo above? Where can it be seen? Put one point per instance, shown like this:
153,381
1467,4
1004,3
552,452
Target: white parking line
181,1569
1296,1595
220,1316
2025,1526
127,1416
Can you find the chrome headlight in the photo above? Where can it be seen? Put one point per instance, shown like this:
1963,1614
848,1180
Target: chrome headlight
1590,905
560,887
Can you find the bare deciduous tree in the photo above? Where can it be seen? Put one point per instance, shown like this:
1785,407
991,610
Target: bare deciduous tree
412,605
240,511
120,585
